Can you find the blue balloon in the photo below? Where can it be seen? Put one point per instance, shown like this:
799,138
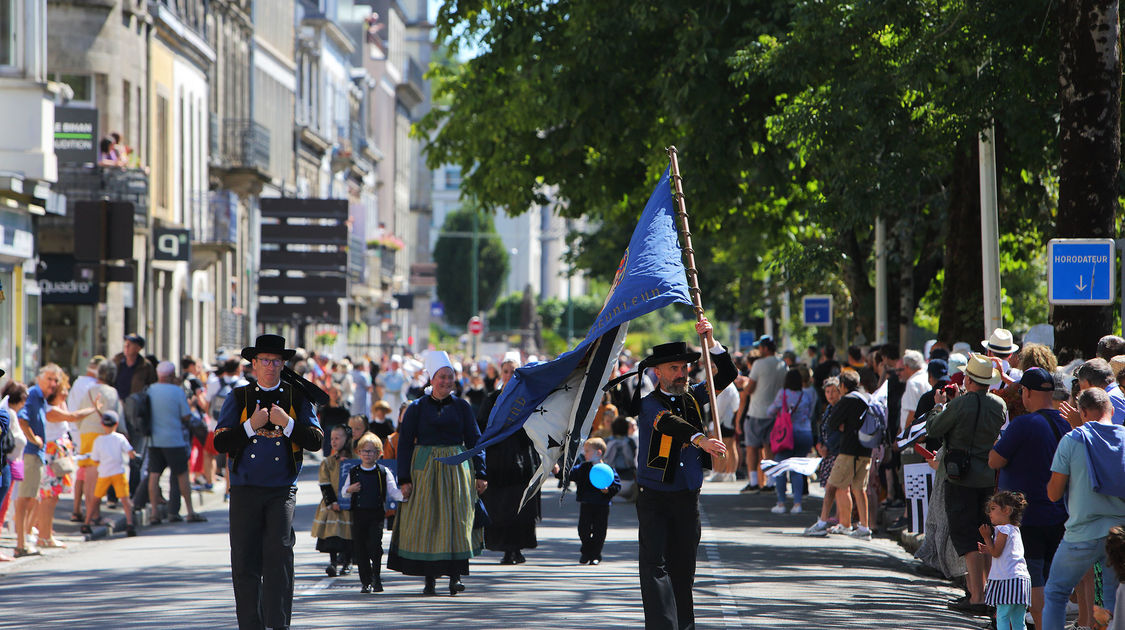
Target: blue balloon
601,476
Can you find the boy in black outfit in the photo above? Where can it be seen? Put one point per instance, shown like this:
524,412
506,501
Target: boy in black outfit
593,514
369,485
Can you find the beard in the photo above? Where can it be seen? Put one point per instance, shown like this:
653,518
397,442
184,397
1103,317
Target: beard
677,388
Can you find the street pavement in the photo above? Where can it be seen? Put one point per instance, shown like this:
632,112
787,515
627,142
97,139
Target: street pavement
755,571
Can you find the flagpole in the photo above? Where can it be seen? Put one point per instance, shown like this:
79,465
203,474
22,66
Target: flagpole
693,284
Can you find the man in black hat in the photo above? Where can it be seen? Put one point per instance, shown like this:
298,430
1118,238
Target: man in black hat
134,372
262,428
674,450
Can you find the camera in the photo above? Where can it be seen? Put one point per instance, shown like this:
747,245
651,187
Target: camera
950,391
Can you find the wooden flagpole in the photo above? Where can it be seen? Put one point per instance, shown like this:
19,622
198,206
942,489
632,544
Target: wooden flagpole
693,284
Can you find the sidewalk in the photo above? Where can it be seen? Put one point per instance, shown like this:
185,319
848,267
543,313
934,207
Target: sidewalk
70,533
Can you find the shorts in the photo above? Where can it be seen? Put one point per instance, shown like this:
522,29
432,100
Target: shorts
727,432
85,446
1039,545
756,431
119,483
173,457
964,509
850,471
32,476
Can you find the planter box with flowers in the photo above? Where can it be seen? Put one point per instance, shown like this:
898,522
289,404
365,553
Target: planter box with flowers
326,338
389,243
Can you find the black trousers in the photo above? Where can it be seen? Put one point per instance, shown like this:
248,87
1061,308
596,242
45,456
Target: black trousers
593,519
261,555
669,531
367,543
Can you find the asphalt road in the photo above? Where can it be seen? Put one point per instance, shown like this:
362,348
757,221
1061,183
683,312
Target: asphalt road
755,571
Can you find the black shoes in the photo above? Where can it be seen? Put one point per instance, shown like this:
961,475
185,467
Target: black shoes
377,586
330,570
508,558
366,589
965,606
584,560
899,524
86,529
431,585
130,531
455,586
518,557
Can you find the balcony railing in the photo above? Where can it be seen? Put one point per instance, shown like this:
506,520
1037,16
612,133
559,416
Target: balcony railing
215,217
95,183
242,143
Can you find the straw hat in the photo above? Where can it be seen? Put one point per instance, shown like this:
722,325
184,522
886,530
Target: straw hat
981,370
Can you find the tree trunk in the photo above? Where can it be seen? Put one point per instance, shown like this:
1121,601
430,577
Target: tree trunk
1090,151
962,291
862,293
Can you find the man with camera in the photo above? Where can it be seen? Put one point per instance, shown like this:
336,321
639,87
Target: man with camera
968,426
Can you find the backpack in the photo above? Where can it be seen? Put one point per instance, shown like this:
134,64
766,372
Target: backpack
874,428
138,414
624,458
7,440
220,397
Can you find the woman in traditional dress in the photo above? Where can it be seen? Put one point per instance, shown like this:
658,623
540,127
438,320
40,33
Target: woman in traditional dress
511,464
433,533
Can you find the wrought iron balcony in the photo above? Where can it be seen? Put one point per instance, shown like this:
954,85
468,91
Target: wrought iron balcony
242,143
111,183
215,218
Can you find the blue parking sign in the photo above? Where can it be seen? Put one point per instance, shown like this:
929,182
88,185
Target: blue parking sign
437,309
817,310
1080,271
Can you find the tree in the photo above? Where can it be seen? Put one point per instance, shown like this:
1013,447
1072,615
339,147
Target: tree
1089,75
453,254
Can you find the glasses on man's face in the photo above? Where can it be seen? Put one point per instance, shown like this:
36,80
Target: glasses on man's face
272,362
368,451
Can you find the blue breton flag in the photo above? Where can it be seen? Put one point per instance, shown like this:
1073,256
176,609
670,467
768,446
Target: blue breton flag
555,402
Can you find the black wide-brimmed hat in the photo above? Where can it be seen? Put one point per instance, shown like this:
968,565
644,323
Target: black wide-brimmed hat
669,353
270,344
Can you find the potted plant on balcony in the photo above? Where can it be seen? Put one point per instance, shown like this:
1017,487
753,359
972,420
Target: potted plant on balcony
389,243
326,338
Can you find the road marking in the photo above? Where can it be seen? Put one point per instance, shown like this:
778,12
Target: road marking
316,588
723,590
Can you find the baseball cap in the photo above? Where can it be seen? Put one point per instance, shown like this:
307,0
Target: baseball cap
135,338
765,339
1037,379
109,418
937,368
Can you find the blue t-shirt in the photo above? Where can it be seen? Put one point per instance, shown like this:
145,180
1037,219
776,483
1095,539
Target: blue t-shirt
1091,513
1029,446
169,405
1117,398
34,413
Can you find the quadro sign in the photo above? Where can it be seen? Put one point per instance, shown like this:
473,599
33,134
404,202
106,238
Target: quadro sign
817,310
1080,271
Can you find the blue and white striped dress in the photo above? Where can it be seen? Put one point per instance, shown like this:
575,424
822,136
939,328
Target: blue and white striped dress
1008,580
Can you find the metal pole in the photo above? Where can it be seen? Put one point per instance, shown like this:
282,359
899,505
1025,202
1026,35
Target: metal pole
474,265
880,280
989,232
693,285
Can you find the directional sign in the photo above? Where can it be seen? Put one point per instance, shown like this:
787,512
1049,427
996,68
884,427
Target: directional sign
746,337
817,310
437,309
1080,271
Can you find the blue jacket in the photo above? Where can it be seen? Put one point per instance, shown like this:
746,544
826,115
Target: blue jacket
586,492
269,458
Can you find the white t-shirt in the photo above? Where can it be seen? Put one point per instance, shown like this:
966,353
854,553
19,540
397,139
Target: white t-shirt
109,451
917,385
54,430
769,375
77,399
1011,563
727,404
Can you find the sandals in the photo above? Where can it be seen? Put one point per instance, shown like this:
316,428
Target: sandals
21,552
196,517
53,543
86,529
75,517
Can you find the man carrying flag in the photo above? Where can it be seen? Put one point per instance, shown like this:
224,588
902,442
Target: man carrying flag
674,450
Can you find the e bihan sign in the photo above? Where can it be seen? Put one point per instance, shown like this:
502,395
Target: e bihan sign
1080,271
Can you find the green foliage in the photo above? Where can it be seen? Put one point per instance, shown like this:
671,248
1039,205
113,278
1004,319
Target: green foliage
554,314
453,255
507,312
797,123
